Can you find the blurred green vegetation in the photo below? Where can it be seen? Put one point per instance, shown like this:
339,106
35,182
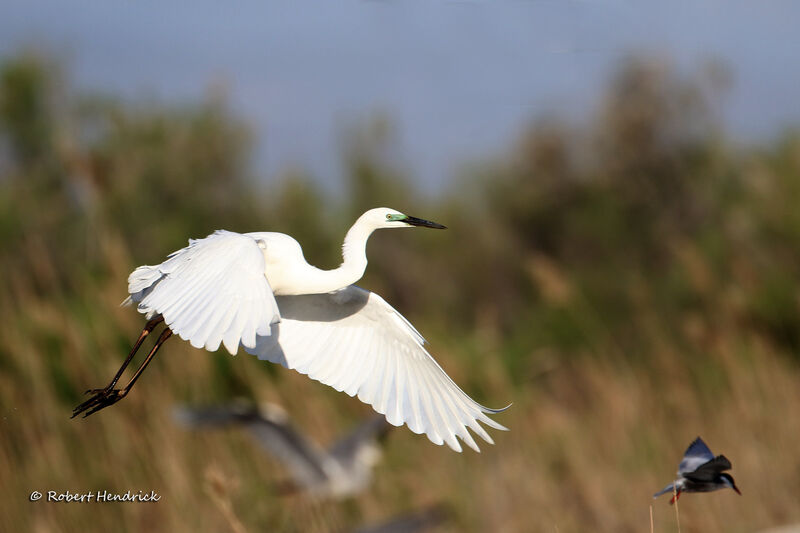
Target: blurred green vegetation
631,278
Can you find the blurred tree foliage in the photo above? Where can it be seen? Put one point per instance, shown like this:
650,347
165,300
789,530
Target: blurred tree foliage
577,240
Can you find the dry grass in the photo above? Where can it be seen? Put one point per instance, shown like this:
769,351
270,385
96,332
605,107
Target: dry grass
591,438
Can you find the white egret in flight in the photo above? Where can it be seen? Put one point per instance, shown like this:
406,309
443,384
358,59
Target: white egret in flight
257,290
343,470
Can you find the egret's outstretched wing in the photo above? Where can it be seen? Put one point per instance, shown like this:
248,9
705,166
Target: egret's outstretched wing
697,454
212,291
271,429
355,342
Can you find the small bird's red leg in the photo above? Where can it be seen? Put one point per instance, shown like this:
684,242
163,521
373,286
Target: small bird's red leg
675,498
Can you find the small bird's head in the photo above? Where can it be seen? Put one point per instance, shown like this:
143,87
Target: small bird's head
384,217
727,480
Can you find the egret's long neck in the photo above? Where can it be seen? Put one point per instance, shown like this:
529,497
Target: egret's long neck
354,254
354,251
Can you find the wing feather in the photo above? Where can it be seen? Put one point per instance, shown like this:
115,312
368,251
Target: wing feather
344,367
399,392
355,342
696,455
710,470
352,380
415,422
225,324
306,359
327,366
213,291
384,391
445,419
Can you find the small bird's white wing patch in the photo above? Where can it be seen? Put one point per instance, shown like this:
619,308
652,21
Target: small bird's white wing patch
697,454
355,342
213,291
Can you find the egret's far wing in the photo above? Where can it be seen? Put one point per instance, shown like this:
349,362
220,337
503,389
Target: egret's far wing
697,454
355,342
213,291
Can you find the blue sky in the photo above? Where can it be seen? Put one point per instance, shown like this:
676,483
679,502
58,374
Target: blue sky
460,79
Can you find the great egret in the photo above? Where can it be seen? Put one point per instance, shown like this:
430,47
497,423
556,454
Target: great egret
345,469
257,290
700,471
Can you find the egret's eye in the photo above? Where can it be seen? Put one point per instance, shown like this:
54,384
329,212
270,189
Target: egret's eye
388,216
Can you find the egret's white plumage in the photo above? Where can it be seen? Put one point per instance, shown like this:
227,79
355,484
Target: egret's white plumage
357,343
257,290
212,291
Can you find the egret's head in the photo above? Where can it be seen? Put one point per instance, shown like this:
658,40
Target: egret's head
384,217
728,481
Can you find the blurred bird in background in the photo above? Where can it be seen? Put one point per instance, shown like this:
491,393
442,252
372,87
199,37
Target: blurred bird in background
343,470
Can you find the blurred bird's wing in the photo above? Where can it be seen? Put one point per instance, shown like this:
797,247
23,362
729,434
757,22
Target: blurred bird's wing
213,291
272,430
218,415
346,448
709,470
355,342
697,454
304,459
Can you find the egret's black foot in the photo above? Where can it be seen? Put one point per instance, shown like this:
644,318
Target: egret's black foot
102,398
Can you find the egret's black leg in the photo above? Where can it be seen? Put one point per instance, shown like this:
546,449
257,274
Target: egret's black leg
104,397
166,334
148,328
108,390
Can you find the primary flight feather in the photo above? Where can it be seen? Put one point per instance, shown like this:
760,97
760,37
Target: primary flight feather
256,290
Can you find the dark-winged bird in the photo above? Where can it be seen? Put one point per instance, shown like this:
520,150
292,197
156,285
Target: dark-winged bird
700,471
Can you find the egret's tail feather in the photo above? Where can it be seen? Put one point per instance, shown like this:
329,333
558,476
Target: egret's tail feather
142,279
